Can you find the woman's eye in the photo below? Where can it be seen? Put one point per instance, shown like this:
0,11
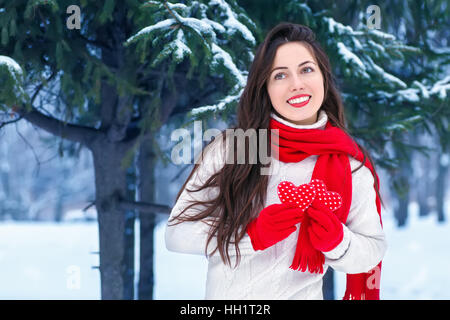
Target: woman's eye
304,70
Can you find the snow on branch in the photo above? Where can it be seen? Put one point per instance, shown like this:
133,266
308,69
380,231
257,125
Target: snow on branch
11,64
340,29
148,30
231,23
404,124
221,55
197,112
11,76
441,87
418,92
211,25
351,58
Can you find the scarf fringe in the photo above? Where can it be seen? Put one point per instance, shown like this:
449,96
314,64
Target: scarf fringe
306,256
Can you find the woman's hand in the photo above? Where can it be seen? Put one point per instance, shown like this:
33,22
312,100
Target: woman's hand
325,230
274,223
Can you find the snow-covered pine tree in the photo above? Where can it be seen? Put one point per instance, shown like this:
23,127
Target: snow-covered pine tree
382,102
216,37
380,105
110,88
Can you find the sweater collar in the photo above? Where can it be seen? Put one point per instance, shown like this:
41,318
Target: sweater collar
319,124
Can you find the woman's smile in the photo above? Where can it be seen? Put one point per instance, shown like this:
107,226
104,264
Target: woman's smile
299,100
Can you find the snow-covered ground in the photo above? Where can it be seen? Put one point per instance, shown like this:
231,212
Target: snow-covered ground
54,261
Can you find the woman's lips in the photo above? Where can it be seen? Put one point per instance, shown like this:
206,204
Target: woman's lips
301,104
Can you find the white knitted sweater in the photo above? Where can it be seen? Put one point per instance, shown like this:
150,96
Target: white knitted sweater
266,274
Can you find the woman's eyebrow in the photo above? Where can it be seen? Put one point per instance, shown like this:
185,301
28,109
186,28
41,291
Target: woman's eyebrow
304,62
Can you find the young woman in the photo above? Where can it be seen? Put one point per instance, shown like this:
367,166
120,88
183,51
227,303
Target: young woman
319,208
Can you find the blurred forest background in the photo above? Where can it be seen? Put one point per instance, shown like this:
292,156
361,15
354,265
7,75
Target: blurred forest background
86,114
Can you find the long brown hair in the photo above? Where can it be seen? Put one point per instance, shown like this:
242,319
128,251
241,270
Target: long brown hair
242,189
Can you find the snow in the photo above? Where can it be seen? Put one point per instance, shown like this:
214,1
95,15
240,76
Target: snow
417,261
41,260
205,29
441,87
376,45
201,27
409,95
179,46
423,90
418,90
204,26
226,23
12,65
339,28
173,6
160,25
382,35
216,107
350,57
357,44
402,124
222,55
54,261
231,23
390,78
217,26
387,76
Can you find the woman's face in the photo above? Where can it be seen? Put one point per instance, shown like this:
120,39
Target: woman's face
295,84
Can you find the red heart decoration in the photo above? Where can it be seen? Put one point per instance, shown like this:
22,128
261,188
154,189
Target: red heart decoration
302,195
331,199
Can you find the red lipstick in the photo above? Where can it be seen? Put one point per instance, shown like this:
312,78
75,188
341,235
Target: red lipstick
299,104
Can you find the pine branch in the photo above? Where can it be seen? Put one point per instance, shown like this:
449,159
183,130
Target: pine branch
41,85
171,13
76,133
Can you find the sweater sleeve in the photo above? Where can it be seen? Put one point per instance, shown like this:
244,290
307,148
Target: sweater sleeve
364,244
191,236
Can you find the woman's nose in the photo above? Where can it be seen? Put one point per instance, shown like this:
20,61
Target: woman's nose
297,83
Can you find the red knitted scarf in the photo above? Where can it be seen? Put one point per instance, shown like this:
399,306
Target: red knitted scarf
332,145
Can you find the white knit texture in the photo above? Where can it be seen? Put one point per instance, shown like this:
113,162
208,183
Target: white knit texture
266,274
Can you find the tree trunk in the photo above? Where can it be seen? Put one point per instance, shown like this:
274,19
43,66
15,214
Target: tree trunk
110,182
421,176
146,165
423,180
403,181
401,210
442,165
129,236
